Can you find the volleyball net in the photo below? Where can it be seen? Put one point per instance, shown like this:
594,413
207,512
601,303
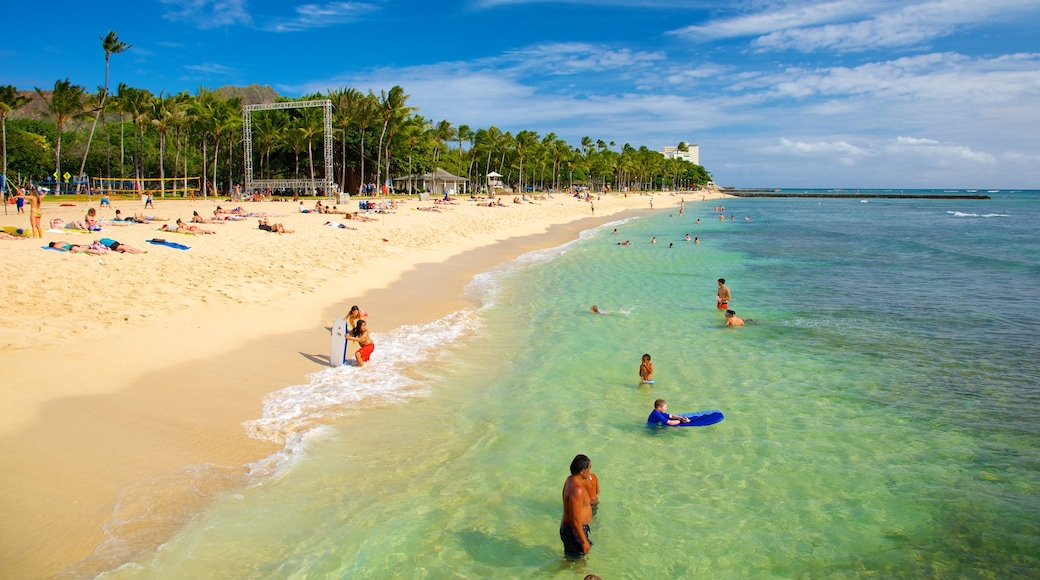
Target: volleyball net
157,186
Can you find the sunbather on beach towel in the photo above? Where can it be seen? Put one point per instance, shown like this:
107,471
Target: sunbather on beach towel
117,246
74,248
276,228
188,228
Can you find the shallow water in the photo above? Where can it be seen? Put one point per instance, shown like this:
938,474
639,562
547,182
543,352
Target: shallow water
882,414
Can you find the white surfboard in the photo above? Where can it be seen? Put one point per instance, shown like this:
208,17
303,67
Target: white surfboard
338,343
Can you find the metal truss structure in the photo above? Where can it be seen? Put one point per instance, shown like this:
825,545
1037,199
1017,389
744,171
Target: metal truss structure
325,184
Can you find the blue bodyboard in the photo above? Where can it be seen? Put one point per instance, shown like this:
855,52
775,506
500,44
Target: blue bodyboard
698,419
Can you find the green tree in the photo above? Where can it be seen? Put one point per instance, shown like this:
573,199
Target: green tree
64,103
30,153
348,103
525,142
392,110
9,101
111,44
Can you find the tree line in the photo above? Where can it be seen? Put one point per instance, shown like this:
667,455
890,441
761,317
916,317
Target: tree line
377,137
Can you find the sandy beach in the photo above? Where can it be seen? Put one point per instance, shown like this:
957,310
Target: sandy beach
126,375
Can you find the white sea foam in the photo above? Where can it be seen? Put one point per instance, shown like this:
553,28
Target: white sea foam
984,215
390,377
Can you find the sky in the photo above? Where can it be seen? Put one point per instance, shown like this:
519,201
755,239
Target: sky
801,93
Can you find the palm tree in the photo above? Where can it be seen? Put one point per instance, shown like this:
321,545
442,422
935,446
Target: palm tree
415,130
348,103
9,101
463,134
111,45
164,113
138,103
267,128
525,141
65,102
391,108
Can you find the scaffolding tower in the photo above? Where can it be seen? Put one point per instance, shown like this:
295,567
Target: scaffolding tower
326,184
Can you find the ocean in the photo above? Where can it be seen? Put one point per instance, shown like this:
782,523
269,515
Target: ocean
882,411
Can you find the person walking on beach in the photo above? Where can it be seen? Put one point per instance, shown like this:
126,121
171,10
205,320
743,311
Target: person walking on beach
722,302
360,336
577,510
646,370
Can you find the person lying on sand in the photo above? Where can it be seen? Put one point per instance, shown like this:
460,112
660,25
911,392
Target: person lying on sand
197,219
276,228
115,246
340,226
7,236
74,248
183,227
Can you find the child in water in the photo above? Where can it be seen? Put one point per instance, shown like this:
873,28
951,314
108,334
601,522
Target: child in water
646,370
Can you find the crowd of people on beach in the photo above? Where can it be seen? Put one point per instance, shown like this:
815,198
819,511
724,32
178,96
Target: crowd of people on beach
93,222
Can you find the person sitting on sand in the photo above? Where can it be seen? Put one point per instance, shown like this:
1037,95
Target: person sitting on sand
190,229
117,246
646,370
74,248
276,228
91,221
360,336
661,416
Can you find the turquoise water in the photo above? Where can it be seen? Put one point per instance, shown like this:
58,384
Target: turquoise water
882,414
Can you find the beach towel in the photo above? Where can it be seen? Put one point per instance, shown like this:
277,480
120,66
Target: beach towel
15,231
161,242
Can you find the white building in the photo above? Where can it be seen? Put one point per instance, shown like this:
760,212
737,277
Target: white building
691,154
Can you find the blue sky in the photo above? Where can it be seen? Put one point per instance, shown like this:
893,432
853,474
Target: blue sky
842,93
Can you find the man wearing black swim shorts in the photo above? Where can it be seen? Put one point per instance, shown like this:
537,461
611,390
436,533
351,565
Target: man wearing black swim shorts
577,510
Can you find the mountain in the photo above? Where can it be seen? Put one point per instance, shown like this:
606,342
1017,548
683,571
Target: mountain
251,95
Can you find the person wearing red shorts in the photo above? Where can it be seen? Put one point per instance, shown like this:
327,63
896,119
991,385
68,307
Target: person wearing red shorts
360,336
722,301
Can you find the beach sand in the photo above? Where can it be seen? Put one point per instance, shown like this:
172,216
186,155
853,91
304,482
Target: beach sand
125,379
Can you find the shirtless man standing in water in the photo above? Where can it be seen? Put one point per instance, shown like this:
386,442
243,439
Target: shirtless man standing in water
577,510
723,300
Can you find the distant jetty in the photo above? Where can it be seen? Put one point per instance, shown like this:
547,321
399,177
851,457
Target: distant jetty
847,195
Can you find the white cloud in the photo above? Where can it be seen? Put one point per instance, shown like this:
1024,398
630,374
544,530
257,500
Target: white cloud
210,68
944,154
208,13
848,25
915,141
818,147
309,16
